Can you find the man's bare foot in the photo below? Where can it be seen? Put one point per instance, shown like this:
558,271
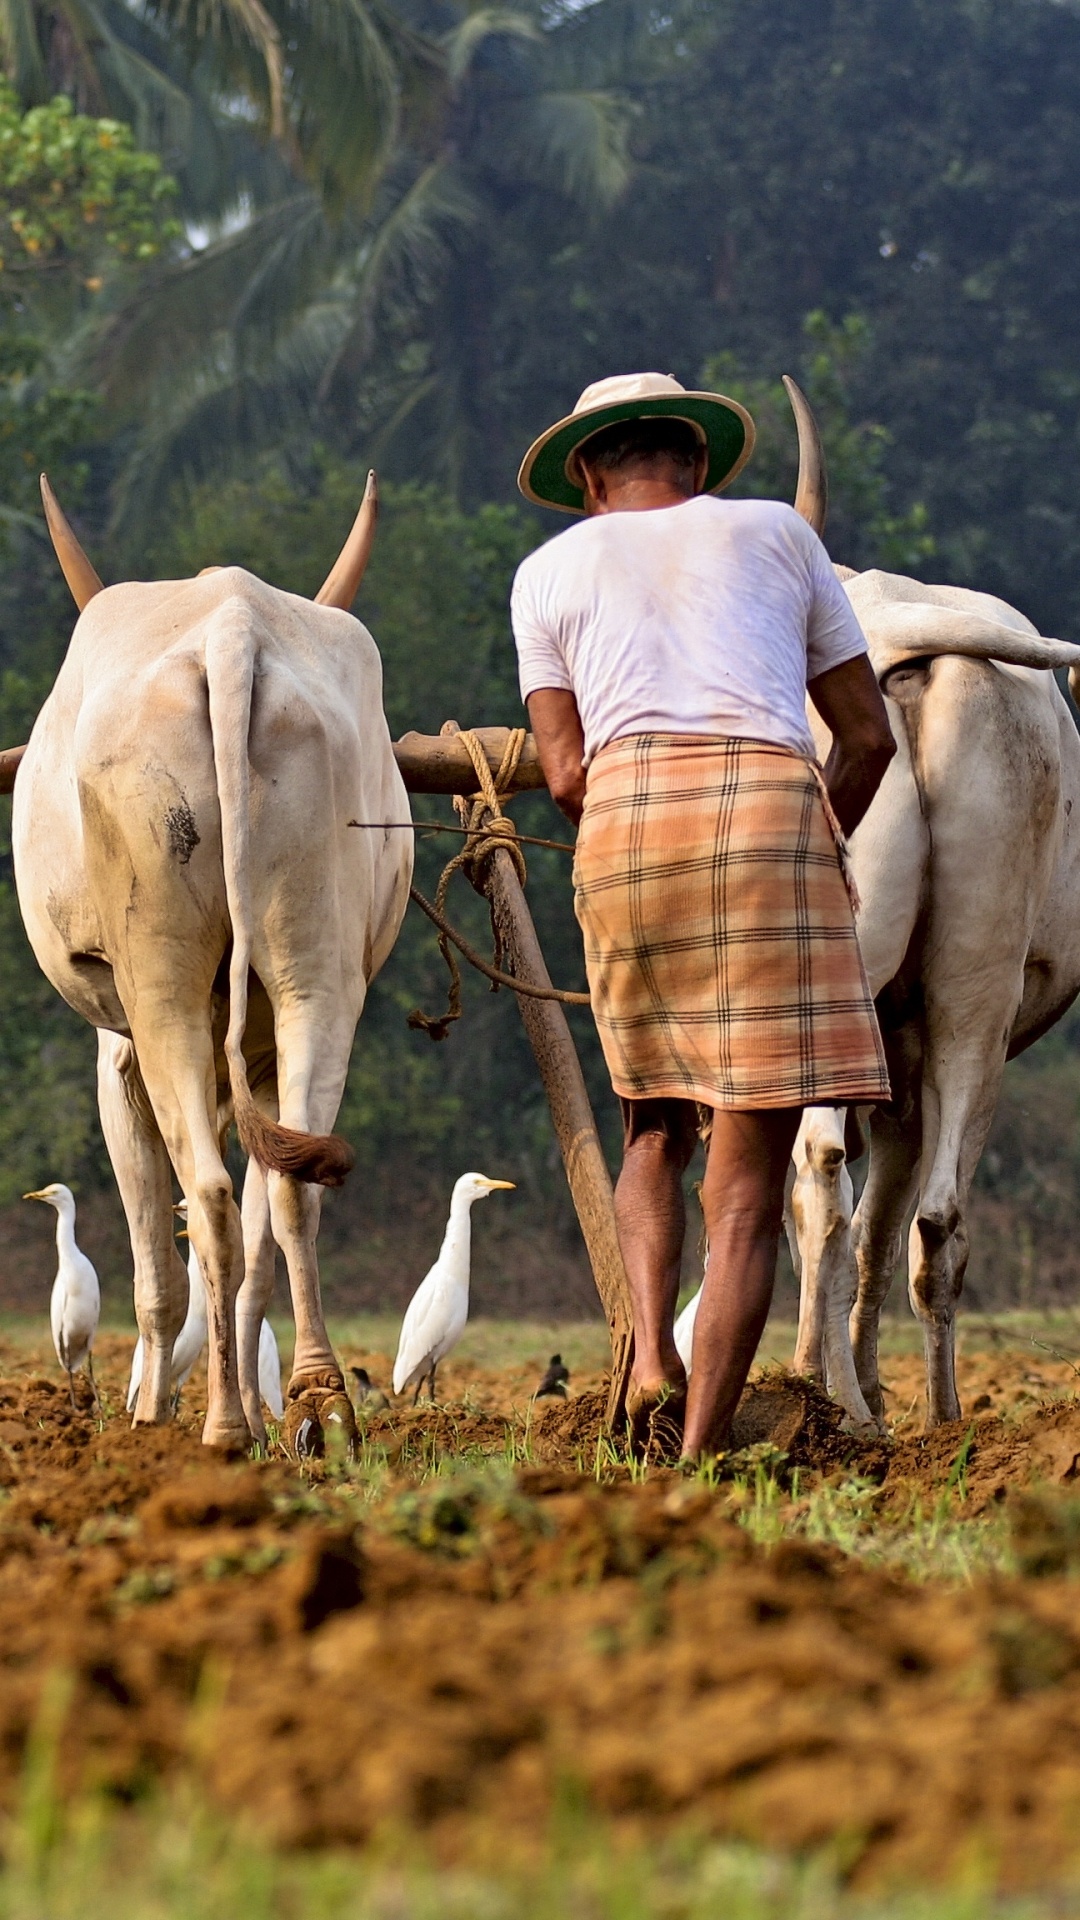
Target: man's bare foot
655,1415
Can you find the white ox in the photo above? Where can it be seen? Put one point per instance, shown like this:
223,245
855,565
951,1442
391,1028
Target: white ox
968,867
190,885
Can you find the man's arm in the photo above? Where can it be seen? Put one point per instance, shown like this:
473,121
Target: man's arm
560,742
849,701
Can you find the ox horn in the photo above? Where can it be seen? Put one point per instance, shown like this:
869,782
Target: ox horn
812,492
342,583
74,565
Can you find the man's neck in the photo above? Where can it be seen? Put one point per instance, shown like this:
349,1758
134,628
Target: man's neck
639,496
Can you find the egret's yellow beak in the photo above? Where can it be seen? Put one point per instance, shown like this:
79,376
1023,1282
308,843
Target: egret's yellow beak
182,1233
33,1196
491,1185
180,1208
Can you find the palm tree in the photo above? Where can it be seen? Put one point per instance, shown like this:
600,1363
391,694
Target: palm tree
354,299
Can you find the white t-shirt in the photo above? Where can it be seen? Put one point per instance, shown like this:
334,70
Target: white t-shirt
708,617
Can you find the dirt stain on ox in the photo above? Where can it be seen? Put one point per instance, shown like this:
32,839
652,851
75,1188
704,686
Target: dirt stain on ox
182,831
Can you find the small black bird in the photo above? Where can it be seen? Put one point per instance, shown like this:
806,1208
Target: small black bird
554,1380
368,1397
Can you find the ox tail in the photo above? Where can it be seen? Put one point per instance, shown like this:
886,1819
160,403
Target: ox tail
231,648
899,632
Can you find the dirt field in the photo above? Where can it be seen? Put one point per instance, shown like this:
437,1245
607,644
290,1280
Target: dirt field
875,1652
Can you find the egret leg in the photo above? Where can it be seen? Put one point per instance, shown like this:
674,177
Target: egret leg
431,1382
93,1382
419,1390
71,1387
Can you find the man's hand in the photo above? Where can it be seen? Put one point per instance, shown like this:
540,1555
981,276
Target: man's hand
560,742
849,701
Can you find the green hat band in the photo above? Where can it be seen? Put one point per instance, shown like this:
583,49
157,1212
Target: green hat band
724,430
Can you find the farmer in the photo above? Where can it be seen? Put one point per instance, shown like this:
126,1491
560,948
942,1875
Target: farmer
666,645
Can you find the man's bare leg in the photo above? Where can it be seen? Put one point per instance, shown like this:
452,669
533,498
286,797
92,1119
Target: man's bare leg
650,1216
742,1197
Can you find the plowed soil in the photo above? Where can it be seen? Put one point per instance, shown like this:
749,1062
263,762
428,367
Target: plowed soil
334,1653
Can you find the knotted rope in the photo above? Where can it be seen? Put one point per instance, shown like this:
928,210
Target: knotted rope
489,830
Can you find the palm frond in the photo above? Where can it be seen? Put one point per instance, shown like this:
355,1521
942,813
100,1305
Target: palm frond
576,141
23,57
465,40
233,28
404,259
286,277
344,97
174,316
218,415
141,87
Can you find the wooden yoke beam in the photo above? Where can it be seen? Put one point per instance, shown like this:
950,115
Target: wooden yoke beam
429,763
437,763
9,767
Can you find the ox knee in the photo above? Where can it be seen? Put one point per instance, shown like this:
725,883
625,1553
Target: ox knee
939,1253
213,1199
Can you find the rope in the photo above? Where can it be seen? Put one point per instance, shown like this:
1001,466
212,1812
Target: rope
441,826
493,973
488,831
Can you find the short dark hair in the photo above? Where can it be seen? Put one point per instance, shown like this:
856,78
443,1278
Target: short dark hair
643,443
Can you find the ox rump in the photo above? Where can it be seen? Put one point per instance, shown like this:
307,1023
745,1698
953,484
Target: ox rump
968,870
190,885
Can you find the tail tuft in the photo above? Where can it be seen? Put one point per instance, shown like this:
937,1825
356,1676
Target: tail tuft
322,1158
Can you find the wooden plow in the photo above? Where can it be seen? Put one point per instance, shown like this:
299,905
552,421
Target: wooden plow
441,764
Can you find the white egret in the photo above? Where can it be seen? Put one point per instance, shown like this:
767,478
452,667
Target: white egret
75,1307
436,1315
270,1371
684,1331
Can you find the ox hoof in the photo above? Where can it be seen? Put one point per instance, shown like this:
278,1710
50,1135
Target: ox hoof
318,1418
230,1440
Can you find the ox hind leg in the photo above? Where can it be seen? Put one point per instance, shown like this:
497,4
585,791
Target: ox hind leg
144,1177
960,1093
313,1042
821,1202
177,1058
878,1234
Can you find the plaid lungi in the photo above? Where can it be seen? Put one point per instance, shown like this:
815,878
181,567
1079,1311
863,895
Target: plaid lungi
720,942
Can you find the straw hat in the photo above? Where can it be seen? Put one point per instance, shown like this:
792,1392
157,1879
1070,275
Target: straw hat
549,473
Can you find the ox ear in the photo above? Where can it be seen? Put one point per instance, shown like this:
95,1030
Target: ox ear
342,583
74,565
812,492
